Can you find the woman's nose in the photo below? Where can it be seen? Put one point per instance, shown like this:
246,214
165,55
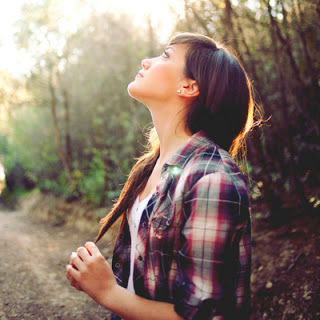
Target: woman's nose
146,63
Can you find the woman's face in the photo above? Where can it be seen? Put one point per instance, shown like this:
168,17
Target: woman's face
160,77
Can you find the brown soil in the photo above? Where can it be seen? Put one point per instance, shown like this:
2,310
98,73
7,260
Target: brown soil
34,253
32,271
285,282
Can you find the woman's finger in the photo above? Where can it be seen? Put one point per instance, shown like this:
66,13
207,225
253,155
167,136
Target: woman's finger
73,282
83,254
77,262
68,276
73,255
92,248
73,271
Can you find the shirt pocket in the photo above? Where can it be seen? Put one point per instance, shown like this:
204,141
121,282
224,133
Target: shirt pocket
161,223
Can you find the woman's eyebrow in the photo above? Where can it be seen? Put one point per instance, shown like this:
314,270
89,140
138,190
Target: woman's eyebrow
170,47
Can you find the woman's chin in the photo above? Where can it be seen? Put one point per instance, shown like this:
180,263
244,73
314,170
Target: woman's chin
131,89
133,92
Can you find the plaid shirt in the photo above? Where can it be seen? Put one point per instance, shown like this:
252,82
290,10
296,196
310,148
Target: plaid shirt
194,240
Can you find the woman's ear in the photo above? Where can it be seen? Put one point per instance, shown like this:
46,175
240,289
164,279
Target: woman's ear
190,90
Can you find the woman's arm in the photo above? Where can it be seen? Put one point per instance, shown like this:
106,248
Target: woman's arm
215,259
88,271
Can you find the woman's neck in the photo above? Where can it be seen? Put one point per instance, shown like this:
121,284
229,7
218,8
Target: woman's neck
171,132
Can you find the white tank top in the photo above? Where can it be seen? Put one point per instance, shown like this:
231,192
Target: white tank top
134,217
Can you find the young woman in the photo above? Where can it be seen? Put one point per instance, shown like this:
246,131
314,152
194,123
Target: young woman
184,246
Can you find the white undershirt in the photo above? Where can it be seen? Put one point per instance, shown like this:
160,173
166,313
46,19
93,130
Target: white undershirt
134,217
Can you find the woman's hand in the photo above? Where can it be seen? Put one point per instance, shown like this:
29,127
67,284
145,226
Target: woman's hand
88,271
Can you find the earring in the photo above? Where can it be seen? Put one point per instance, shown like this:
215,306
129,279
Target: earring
179,91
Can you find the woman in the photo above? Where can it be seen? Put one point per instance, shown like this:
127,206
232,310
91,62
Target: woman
183,250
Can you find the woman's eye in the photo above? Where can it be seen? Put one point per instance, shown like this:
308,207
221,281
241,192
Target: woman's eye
165,54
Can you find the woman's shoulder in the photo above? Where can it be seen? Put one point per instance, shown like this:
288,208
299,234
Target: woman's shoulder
201,150
210,159
201,157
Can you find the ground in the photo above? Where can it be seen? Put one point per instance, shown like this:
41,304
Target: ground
34,253
285,281
32,271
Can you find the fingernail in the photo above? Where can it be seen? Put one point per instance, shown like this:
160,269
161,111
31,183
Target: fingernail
73,254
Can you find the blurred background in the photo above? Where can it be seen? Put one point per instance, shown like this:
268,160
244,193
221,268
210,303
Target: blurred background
69,128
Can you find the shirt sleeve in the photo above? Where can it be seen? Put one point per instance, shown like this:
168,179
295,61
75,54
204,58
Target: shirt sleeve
210,259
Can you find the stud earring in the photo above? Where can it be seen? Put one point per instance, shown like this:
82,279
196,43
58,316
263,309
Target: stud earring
179,91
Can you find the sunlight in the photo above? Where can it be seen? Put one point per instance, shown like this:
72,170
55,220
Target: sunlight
162,14
11,59
2,174
2,178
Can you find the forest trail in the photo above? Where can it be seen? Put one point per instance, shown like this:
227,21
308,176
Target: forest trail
284,284
34,255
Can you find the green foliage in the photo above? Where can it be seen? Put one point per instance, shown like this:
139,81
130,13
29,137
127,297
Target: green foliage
81,78
92,185
87,80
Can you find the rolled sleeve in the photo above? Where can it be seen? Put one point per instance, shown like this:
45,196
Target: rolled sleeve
208,258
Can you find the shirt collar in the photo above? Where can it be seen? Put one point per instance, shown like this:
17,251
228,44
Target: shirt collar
179,158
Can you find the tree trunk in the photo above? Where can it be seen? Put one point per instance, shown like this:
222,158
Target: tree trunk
68,144
299,17
250,67
62,157
198,18
285,41
293,174
229,24
263,161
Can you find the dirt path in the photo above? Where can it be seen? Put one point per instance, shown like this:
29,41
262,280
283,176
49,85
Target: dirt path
285,282
32,271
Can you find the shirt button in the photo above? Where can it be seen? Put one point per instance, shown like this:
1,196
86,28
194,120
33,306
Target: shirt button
140,258
143,224
159,233
117,265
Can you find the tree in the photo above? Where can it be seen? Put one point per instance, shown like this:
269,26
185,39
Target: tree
81,84
278,52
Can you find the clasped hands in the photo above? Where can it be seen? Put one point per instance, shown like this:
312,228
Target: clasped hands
88,271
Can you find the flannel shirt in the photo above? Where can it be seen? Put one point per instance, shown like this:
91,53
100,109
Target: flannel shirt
194,240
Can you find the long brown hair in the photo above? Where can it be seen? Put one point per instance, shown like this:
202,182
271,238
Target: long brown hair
223,110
